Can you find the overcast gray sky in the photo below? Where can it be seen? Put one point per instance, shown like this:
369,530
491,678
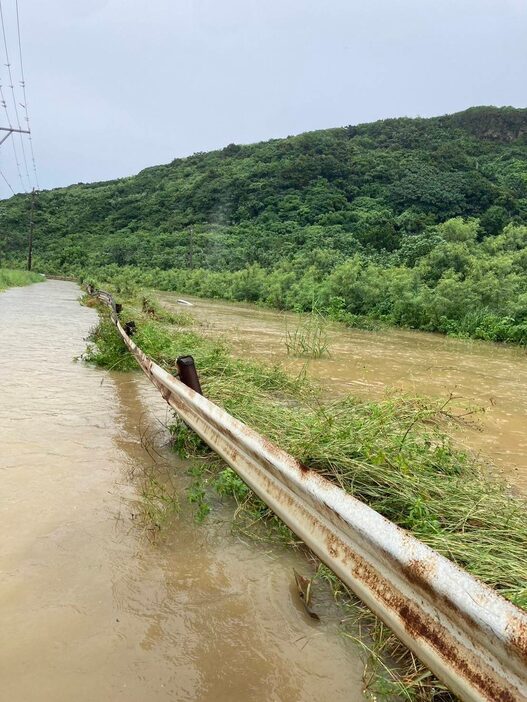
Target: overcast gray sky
118,85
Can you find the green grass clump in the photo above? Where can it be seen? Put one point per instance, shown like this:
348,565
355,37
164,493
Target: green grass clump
309,338
10,278
395,455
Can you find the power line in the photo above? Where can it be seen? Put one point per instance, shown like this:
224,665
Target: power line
7,183
4,104
9,122
12,129
17,161
15,154
23,84
12,86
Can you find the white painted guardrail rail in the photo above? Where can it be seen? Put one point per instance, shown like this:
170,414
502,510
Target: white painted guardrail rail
473,639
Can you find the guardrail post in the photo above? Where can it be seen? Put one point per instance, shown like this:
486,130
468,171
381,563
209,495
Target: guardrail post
188,373
129,328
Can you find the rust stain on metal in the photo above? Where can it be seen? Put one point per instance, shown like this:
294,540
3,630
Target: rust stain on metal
434,634
518,637
420,572
416,625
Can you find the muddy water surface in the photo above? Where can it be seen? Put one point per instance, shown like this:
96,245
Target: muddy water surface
90,608
370,364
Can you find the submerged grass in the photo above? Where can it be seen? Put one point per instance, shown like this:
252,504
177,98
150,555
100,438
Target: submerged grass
309,338
395,455
10,278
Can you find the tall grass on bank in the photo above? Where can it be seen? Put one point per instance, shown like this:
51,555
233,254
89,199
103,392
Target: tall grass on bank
309,338
395,455
10,278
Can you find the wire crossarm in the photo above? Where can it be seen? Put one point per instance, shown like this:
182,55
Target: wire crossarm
10,131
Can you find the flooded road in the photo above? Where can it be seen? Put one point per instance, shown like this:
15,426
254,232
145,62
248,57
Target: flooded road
371,364
91,609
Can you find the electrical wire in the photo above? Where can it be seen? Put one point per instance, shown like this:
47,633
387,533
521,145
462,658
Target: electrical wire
23,84
12,86
10,124
15,154
18,167
9,105
7,182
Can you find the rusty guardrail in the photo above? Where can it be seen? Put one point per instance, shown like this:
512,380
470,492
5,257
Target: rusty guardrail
473,639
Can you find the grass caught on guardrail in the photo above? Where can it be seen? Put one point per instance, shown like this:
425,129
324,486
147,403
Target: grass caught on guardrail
395,455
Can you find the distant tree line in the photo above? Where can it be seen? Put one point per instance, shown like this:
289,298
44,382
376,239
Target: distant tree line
417,222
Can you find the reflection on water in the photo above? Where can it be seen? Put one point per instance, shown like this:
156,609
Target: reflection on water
91,609
369,364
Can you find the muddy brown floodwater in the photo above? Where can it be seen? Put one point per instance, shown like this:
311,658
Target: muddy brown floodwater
90,608
371,364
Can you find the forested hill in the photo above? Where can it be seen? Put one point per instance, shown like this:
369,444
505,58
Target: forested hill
417,197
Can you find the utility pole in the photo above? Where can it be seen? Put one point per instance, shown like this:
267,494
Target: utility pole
191,248
31,225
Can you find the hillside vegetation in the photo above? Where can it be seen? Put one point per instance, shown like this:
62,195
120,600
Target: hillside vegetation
416,222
